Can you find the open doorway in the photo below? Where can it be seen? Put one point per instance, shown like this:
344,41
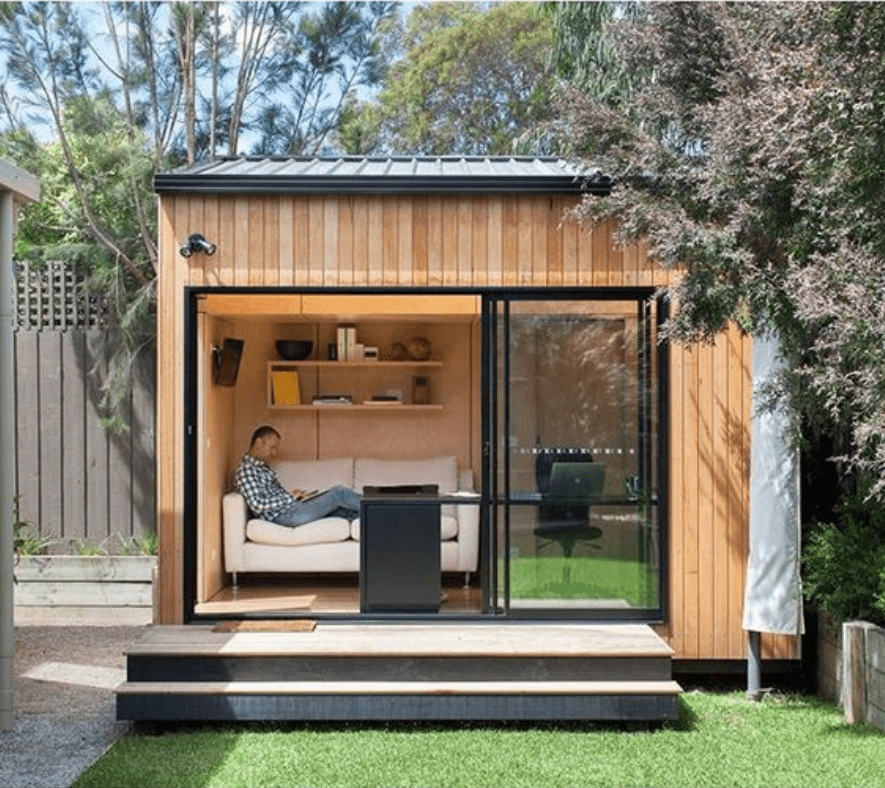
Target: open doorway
400,402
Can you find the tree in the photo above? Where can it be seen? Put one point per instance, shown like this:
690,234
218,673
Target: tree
472,79
124,90
330,55
751,161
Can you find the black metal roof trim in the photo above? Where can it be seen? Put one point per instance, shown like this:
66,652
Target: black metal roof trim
381,175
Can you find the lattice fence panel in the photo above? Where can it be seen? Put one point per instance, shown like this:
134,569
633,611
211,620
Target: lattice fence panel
55,297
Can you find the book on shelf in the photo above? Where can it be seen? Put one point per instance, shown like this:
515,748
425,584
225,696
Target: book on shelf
286,390
332,399
384,399
346,339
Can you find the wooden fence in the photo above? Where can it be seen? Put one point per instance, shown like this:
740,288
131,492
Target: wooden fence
76,482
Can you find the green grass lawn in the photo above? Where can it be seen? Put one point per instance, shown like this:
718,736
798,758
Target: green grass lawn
582,577
719,740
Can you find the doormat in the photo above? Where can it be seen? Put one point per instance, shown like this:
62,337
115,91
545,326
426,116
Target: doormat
302,625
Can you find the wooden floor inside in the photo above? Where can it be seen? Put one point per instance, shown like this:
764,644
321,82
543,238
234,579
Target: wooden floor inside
308,595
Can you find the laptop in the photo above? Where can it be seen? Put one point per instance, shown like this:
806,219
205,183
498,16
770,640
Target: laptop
576,482
429,490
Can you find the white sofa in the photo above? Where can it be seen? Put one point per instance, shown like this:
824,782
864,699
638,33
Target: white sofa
332,543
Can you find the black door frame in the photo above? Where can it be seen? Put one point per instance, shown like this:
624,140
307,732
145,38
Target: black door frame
491,499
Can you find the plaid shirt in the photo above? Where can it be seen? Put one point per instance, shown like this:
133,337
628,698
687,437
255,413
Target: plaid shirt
258,484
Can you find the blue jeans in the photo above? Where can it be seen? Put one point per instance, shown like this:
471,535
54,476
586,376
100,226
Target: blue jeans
337,501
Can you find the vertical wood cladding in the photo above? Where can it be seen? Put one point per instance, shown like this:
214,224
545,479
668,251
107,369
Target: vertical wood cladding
479,241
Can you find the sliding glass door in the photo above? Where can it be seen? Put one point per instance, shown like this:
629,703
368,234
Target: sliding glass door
574,396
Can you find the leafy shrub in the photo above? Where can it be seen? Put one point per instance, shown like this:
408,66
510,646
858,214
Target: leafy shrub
844,562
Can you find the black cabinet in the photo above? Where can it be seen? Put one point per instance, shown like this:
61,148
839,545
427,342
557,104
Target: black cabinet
399,554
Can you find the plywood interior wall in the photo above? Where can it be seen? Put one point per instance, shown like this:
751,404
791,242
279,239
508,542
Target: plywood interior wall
229,415
474,241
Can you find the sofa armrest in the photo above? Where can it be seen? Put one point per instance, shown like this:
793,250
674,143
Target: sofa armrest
468,536
234,515
468,525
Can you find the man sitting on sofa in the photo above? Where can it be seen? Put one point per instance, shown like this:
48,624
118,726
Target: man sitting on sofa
266,498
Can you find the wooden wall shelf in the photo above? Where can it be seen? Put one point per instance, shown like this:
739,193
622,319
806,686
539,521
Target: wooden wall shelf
348,366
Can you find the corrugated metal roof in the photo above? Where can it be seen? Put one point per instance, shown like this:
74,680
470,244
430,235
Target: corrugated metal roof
365,174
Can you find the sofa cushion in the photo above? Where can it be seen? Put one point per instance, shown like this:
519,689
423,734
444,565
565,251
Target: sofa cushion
315,474
325,531
448,528
442,471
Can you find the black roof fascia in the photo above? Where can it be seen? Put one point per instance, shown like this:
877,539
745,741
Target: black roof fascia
205,183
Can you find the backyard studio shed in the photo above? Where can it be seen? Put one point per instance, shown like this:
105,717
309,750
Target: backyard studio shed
490,335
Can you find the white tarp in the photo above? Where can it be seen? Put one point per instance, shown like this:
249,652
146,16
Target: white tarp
773,599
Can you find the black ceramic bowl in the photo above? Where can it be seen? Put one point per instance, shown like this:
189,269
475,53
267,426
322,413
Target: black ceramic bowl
294,349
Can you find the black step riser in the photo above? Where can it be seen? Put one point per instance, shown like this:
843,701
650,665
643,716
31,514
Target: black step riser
156,667
396,708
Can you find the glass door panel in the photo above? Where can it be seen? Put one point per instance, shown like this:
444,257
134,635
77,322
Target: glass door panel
576,472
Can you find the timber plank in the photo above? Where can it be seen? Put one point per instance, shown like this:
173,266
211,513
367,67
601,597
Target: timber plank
257,260
74,386
690,497
405,263
86,594
51,437
633,640
400,688
271,234
345,255
330,271
97,445
722,615
706,513
241,240
27,435
287,240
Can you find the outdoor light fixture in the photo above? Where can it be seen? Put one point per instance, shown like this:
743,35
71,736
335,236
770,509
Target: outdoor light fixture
196,243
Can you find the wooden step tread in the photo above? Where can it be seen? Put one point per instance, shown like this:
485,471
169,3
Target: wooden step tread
382,640
399,688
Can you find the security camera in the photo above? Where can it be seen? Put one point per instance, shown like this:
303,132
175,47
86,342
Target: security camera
196,243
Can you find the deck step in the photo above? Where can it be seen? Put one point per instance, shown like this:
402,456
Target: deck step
401,671
399,701
399,688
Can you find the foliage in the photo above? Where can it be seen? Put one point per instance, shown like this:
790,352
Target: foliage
844,562
584,52
100,96
473,77
141,544
26,539
720,739
86,548
119,544
339,49
750,159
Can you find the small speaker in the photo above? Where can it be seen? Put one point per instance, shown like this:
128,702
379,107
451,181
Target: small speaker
420,390
227,361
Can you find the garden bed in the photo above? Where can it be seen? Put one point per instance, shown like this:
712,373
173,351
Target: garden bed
85,581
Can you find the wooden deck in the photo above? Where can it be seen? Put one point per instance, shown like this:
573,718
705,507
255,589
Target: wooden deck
400,671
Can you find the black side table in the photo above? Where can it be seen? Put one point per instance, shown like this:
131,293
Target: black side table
399,554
